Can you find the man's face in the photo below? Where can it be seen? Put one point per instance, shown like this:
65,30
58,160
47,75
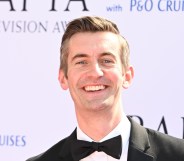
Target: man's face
95,73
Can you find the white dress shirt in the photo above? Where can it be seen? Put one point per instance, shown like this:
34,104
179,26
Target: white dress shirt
123,129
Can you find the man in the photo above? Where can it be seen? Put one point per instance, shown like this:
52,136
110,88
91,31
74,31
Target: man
95,68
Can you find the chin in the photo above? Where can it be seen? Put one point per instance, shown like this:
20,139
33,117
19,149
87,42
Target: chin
98,107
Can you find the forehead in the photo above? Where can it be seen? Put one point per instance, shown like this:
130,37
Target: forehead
97,42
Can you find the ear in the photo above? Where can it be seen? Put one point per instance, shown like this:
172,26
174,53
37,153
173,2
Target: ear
128,76
63,80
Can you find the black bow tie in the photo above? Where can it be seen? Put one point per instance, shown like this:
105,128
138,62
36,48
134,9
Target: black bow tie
81,149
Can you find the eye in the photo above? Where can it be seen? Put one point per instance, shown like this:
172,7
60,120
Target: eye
107,61
81,62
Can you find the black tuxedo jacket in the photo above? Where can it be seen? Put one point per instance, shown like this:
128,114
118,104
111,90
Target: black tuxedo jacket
144,145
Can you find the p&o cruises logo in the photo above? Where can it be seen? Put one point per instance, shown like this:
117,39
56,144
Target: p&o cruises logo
12,140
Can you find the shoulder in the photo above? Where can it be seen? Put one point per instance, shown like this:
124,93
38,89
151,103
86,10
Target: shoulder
35,158
165,146
159,145
58,151
164,141
50,153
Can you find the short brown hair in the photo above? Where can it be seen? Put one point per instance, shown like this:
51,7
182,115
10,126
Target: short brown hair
91,24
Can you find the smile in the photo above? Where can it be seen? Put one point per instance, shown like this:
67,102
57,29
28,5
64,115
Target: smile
94,88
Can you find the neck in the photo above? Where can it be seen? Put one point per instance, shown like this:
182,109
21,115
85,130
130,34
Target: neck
98,124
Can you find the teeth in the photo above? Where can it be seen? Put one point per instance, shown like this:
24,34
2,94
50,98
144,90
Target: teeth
94,88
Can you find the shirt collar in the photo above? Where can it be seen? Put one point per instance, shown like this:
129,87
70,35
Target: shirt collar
123,129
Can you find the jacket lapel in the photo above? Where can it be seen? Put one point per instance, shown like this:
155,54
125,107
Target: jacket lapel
65,153
139,145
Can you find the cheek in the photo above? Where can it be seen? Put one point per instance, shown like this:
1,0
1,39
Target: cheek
73,78
115,75
76,73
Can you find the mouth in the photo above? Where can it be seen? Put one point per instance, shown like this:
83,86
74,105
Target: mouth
94,88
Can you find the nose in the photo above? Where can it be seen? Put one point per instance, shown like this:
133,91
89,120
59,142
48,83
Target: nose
95,70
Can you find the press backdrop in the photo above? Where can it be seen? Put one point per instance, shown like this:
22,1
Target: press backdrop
35,112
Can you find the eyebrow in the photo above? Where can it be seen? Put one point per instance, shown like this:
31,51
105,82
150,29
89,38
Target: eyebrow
80,55
108,54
